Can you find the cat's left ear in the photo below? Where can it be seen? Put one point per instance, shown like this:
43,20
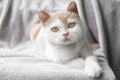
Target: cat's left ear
44,16
72,7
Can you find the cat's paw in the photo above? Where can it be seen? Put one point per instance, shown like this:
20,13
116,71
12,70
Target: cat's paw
93,70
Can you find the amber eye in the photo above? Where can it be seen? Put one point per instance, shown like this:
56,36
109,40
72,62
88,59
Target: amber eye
71,25
54,29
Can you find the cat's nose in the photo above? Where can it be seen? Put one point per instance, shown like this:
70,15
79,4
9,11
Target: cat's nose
65,34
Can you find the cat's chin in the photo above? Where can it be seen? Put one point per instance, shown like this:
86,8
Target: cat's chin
65,43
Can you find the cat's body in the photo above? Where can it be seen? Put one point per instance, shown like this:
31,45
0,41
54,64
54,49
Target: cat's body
60,37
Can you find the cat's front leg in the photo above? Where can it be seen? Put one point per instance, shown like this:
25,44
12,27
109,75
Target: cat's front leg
92,67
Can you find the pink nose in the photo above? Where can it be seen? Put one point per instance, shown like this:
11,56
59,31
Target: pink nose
65,34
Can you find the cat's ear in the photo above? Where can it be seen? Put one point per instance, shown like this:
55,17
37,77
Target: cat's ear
43,16
72,7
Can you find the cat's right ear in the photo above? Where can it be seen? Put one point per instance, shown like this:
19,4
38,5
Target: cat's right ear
43,16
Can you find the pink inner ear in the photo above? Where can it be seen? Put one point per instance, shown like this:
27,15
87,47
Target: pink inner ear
43,16
72,7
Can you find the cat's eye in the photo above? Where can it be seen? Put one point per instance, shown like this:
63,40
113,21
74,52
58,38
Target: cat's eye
54,29
71,25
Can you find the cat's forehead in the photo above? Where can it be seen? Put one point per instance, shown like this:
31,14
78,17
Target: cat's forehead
63,16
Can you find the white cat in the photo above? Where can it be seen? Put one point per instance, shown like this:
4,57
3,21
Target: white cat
60,37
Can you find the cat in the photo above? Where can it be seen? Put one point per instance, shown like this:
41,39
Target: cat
60,37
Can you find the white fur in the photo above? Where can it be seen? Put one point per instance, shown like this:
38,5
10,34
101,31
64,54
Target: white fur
92,68
54,47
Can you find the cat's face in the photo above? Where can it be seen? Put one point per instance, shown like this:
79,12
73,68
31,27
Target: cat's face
62,28
65,29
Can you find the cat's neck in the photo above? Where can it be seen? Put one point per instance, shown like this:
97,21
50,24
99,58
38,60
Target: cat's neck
61,52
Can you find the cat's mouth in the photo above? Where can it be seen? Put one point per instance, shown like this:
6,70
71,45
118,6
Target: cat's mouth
66,39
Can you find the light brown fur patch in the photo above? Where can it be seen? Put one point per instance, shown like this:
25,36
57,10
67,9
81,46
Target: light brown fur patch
69,15
64,16
94,46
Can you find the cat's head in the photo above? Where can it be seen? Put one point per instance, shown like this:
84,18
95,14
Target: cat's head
62,27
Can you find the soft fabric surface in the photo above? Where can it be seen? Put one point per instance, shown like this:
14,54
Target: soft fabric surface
25,65
18,62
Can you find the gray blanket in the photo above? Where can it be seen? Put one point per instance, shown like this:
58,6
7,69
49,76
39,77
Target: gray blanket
17,18
24,65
